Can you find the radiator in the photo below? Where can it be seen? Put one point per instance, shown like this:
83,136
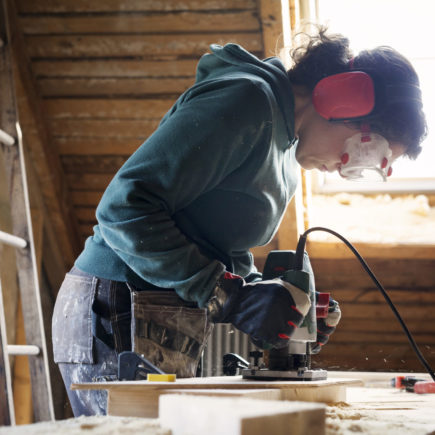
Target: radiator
224,339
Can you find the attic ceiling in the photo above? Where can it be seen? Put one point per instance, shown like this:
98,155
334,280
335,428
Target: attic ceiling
104,72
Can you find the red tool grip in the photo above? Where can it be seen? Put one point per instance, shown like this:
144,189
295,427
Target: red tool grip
424,387
322,305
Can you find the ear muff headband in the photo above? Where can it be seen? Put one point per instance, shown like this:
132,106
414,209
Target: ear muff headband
351,96
345,95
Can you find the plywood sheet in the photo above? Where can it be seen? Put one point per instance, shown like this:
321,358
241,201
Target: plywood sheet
140,398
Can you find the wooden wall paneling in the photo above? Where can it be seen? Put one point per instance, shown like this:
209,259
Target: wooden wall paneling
76,46
110,87
106,108
141,22
369,337
61,6
96,146
45,160
87,198
124,67
93,182
139,129
404,273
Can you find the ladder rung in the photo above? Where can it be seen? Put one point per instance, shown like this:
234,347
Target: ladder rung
12,240
6,138
24,349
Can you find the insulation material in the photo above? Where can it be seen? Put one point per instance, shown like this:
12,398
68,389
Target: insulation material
380,219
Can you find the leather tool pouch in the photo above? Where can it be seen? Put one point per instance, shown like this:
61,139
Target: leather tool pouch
168,331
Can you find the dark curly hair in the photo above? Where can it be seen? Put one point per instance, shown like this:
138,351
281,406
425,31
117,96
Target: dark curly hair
325,54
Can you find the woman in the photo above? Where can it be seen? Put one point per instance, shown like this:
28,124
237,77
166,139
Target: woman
170,253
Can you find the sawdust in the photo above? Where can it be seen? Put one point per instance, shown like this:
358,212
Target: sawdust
381,411
97,425
380,219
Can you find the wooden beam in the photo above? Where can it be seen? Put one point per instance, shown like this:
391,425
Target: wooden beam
272,26
275,20
45,159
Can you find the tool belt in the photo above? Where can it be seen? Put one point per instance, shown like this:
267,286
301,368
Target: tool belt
168,331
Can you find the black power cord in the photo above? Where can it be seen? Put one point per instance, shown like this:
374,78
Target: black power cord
299,259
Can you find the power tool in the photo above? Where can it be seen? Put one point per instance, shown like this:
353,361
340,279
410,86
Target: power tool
294,361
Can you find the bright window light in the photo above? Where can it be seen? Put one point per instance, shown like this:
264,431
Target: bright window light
408,27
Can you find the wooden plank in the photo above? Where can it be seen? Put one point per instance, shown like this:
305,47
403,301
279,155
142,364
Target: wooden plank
91,164
87,230
398,296
120,404
96,146
93,182
241,416
152,108
85,198
329,390
59,6
43,68
110,87
135,45
359,311
221,21
139,130
86,214
370,324
380,337
273,26
410,273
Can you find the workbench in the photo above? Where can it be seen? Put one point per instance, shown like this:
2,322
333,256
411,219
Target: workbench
373,409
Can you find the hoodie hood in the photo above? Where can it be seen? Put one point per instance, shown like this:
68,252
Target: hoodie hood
223,59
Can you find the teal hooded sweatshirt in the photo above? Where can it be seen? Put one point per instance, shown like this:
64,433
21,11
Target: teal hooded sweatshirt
210,183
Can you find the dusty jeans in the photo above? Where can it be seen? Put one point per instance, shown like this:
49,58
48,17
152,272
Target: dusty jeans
92,324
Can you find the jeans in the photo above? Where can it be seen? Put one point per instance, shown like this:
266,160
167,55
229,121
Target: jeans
93,322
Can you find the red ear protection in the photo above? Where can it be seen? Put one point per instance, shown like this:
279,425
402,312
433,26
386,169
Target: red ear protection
344,96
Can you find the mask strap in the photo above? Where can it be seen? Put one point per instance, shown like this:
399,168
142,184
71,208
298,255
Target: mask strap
365,132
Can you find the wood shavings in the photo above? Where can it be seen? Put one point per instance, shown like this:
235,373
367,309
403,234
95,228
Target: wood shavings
97,425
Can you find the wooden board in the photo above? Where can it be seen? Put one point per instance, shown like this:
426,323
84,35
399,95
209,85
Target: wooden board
140,398
229,416
77,46
141,23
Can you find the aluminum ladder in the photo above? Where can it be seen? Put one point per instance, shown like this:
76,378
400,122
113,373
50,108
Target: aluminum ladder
11,145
